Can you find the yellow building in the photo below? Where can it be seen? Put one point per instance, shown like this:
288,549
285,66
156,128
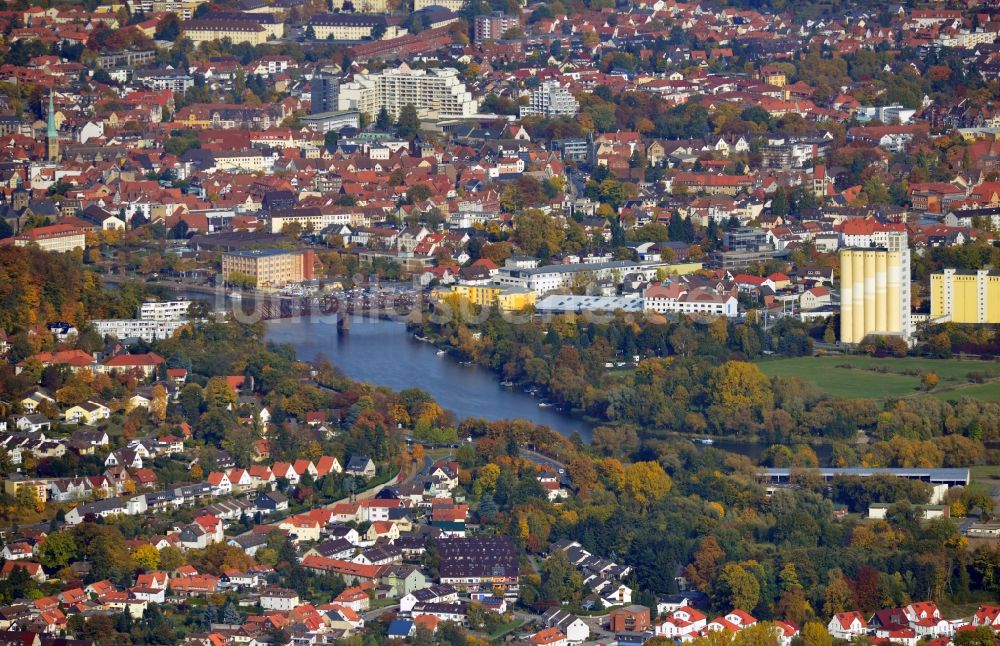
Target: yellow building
451,5
237,31
40,485
508,299
270,268
965,296
57,238
348,26
875,290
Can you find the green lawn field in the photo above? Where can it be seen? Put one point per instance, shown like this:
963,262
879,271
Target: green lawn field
833,375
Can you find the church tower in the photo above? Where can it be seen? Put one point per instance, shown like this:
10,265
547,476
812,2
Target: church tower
51,134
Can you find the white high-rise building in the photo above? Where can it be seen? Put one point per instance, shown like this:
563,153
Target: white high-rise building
435,93
551,100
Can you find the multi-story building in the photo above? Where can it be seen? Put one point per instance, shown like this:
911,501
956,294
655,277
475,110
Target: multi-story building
125,59
551,100
875,290
147,330
576,149
542,280
311,219
480,561
963,296
164,310
184,9
450,5
493,26
165,79
676,297
325,122
269,268
237,31
503,298
347,26
56,237
886,114
362,6
435,93
324,93
251,160
273,26
746,239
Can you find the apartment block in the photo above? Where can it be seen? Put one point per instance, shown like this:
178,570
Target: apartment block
435,93
492,26
164,310
551,100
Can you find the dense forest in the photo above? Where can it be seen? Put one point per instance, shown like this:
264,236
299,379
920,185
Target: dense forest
675,511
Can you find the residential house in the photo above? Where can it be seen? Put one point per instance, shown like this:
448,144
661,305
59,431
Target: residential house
360,466
847,625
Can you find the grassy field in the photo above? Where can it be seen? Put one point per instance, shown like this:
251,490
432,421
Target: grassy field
985,471
854,377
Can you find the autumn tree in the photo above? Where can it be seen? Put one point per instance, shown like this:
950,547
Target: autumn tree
158,406
838,596
561,581
218,395
538,234
58,550
146,557
815,634
741,386
645,483
487,476
702,571
737,588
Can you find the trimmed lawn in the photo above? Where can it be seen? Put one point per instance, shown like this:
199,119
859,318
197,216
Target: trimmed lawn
504,629
986,392
854,378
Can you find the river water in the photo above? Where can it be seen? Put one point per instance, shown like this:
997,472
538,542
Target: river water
382,352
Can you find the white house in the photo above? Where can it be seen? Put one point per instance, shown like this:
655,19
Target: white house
987,616
620,596
847,625
279,599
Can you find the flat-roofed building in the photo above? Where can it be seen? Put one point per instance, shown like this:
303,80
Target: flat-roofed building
269,268
435,93
875,290
961,296
335,121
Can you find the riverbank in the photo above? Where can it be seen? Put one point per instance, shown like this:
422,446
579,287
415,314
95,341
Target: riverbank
386,353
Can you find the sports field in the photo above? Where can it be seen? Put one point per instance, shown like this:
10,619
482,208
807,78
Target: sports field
855,377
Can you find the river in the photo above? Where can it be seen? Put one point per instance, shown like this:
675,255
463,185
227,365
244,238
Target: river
382,352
